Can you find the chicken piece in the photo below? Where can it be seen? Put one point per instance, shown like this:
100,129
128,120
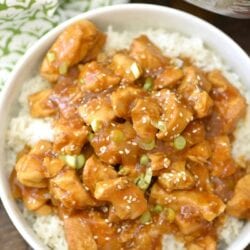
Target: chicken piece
190,223
175,116
94,77
208,205
201,174
95,171
40,104
69,139
176,177
78,234
81,40
97,110
194,89
122,98
169,78
30,169
115,144
34,198
200,152
128,200
194,132
158,161
52,166
144,114
126,67
239,205
147,54
222,163
67,190
230,104
203,243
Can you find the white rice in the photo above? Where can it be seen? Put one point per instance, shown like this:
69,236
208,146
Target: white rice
26,130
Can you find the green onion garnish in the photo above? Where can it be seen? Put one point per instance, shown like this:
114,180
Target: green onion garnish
74,161
117,136
148,85
51,56
147,145
146,217
170,214
63,68
135,70
157,208
96,125
90,137
144,160
123,170
144,181
180,142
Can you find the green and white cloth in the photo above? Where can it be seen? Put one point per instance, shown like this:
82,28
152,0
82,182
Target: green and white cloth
22,22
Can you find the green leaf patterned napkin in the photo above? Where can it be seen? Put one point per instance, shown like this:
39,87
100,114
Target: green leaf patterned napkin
22,22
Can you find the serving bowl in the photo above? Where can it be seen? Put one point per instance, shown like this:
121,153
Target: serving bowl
122,17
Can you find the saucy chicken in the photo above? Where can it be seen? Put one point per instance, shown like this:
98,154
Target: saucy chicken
142,146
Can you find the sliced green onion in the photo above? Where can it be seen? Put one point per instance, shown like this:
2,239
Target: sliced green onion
170,214
74,161
51,56
96,125
144,160
146,217
161,125
63,68
157,208
135,70
90,136
123,170
117,136
147,145
180,142
148,85
144,181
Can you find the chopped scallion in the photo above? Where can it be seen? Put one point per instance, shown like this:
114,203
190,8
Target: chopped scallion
147,145
90,136
180,142
144,160
117,136
74,161
146,217
157,208
144,181
96,125
148,85
170,214
123,170
135,70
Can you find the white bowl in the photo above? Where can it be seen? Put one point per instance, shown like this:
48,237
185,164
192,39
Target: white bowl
130,16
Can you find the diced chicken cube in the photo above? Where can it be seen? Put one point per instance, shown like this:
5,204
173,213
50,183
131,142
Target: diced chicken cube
95,77
29,168
144,114
222,163
81,40
194,132
67,190
158,161
95,171
68,139
200,152
40,104
147,54
204,243
97,110
34,198
230,104
78,234
128,200
126,67
177,177
115,144
169,78
194,89
175,115
52,166
239,205
208,205
122,99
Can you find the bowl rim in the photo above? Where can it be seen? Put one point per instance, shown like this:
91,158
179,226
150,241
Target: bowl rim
26,232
